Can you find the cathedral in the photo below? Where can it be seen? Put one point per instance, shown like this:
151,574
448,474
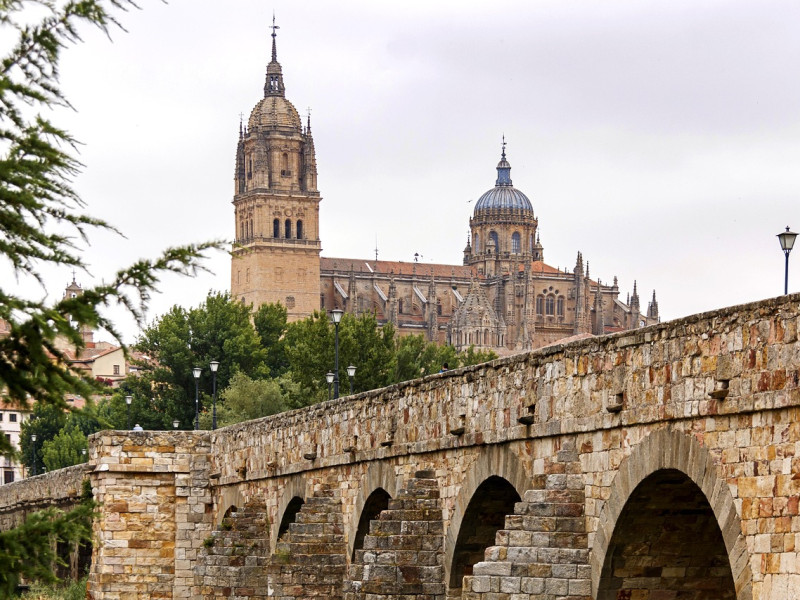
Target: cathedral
504,297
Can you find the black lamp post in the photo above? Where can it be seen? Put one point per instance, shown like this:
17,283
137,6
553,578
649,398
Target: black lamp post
214,366
787,243
336,314
329,379
33,453
351,372
196,372
128,400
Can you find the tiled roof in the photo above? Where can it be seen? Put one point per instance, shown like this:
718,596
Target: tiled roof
390,267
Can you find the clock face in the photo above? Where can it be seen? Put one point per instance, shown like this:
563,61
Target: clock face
641,323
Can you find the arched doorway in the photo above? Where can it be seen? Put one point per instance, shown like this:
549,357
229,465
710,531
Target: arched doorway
667,540
377,502
290,514
485,515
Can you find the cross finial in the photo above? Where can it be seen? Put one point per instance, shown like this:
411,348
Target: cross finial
504,145
308,112
73,275
274,35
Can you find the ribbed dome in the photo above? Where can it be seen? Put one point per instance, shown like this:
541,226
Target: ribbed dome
274,111
503,195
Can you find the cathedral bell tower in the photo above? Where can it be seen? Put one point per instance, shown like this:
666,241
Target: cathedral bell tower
276,203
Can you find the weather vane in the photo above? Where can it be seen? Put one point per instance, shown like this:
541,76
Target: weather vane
273,26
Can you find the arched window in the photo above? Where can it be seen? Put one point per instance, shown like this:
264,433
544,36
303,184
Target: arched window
285,164
493,238
515,243
251,228
477,245
530,244
549,305
539,305
560,306
299,230
288,234
276,228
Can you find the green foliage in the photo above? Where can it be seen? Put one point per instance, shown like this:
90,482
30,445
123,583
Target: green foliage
246,398
64,450
28,551
270,322
42,219
45,422
219,329
71,590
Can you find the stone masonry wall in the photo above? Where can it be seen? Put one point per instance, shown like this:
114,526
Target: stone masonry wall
714,396
154,513
60,488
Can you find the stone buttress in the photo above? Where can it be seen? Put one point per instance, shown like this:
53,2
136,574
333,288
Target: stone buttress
542,554
403,553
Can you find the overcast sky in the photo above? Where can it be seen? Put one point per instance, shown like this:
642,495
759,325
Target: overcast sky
659,138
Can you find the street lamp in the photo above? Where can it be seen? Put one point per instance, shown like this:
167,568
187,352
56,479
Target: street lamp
175,423
196,372
329,379
336,314
214,366
787,243
33,453
83,454
128,400
351,372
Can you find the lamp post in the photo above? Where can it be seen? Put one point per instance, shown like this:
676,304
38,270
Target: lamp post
196,372
128,400
214,366
351,372
175,423
786,239
33,453
329,379
336,314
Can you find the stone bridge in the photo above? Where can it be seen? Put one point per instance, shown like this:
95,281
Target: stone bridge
658,464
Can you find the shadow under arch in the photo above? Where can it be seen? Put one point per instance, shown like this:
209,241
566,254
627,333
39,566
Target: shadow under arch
498,462
229,498
292,498
379,476
665,451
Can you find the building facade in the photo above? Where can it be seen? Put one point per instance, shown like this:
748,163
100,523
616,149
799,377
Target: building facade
502,297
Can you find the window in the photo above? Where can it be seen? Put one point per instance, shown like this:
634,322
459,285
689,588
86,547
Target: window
251,228
560,306
8,476
515,243
477,244
549,305
1,416
530,244
539,305
12,418
276,228
493,239
288,234
299,230
116,369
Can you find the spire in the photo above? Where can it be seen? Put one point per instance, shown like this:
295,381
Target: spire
652,308
274,84
274,35
635,298
503,168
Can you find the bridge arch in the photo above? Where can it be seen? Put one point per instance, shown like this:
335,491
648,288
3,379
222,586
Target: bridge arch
230,497
295,489
671,455
379,476
494,466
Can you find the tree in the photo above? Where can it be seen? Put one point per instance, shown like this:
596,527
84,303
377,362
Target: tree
64,450
270,321
45,422
219,329
246,398
42,218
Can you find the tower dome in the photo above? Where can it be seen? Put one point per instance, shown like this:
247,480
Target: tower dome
503,196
